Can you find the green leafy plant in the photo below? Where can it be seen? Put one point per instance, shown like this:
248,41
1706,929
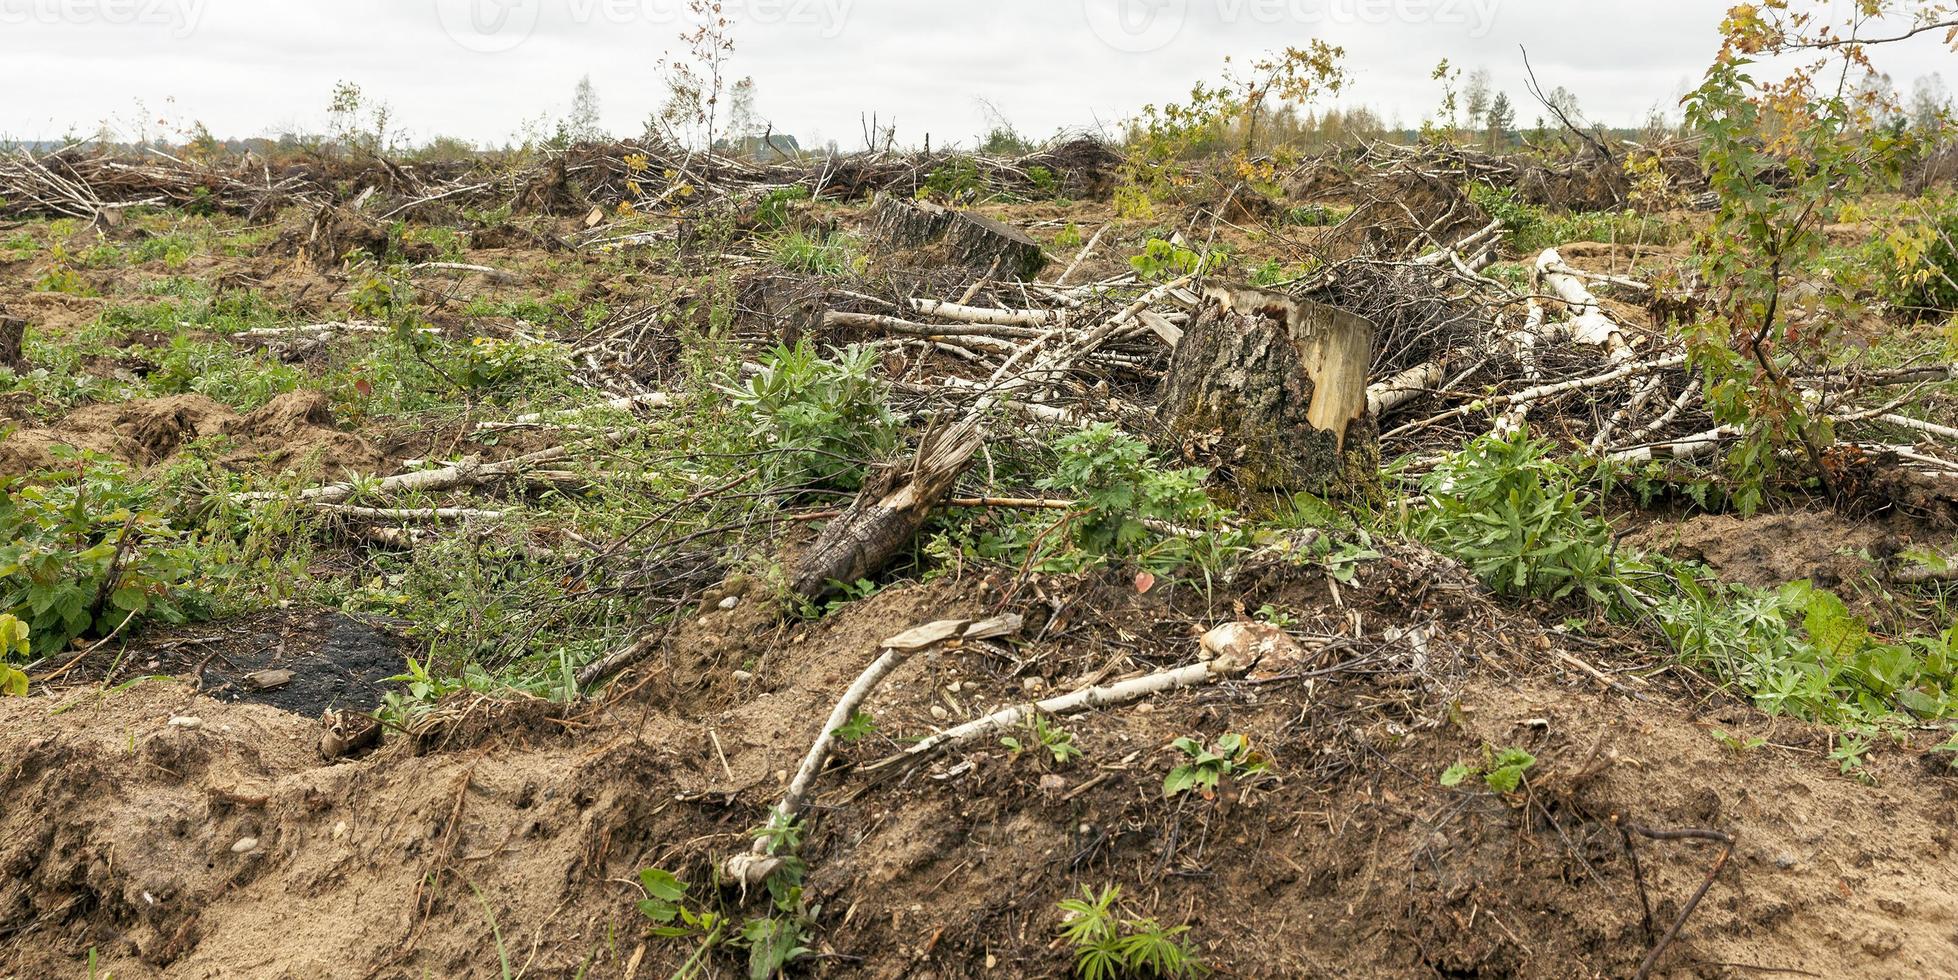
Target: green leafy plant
665,906
1230,758
820,419
14,644
1162,259
777,206
1518,518
85,552
61,276
1502,771
1108,946
497,364
1275,616
773,940
1783,157
1237,114
1315,216
1738,744
1048,735
1799,650
1122,490
860,726
1917,261
956,181
1848,754
1949,749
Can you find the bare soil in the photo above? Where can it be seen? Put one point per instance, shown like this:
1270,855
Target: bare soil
232,849
294,428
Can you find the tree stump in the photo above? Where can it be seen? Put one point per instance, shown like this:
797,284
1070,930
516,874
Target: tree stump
971,240
13,331
1273,391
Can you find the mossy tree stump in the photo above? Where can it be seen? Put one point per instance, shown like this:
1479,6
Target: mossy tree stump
1273,390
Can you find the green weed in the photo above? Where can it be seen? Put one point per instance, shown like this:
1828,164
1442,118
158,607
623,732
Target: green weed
1108,946
1230,758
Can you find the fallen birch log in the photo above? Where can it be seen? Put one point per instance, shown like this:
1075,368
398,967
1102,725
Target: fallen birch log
754,867
424,481
311,330
1685,448
1486,233
909,328
1386,396
1540,392
410,514
1924,574
1928,428
1589,324
985,315
1234,648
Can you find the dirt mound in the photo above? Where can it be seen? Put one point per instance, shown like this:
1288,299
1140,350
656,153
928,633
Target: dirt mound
53,314
1771,550
230,848
292,429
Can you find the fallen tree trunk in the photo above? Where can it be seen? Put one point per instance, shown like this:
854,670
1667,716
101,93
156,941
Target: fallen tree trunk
894,504
1589,323
1277,387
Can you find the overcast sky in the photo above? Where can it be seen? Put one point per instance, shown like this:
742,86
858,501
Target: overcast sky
477,69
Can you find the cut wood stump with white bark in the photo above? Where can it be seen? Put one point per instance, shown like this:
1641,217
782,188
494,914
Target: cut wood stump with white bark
1274,391
971,240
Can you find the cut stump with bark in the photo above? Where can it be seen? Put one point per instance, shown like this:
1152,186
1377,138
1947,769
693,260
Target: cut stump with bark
971,240
1273,390
13,332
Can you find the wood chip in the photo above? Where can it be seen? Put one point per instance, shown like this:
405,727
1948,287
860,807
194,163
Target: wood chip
930,634
996,627
269,680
